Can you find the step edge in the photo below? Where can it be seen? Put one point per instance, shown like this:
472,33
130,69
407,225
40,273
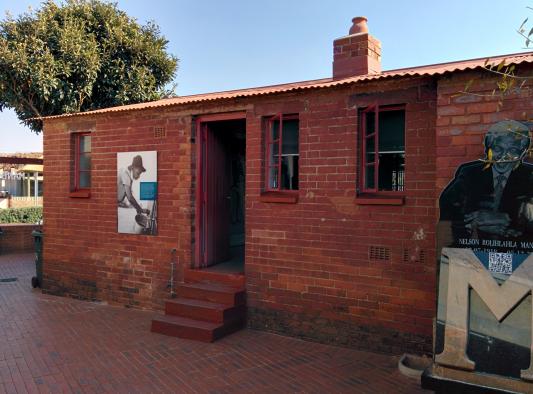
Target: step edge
223,288
186,322
206,304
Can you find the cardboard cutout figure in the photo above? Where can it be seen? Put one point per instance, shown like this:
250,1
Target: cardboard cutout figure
492,199
485,238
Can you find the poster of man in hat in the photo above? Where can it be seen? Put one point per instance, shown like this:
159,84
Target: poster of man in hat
137,192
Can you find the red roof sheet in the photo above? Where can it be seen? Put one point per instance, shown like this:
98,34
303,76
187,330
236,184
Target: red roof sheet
20,160
429,70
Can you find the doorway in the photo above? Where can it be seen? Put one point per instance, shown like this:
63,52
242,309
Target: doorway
220,218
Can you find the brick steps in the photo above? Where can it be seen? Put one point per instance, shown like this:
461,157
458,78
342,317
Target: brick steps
194,276
181,327
212,292
205,310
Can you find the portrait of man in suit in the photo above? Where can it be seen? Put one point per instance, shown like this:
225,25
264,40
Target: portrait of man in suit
488,208
492,198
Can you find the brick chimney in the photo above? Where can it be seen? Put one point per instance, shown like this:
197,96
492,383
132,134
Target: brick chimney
358,53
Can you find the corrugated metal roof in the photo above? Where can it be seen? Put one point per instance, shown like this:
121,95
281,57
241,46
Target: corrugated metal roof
32,168
428,70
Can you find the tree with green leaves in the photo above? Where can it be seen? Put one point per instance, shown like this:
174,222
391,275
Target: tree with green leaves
77,56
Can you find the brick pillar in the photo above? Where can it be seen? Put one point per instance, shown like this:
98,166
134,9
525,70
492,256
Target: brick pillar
356,54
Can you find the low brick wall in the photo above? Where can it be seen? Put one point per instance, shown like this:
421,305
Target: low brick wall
25,202
17,238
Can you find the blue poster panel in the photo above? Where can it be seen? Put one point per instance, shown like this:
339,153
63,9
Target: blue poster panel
148,191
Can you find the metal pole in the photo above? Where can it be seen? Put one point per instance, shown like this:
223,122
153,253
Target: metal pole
172,269
36,187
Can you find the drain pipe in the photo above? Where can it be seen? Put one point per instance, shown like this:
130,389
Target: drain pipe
172,270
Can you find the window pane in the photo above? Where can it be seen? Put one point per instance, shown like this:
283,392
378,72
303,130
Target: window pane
85,162
283,154
370,122
392,131
273,178
85,180
274,154
369,177
275,130
85,143
290,137
289,172
391,150
391,171
370,146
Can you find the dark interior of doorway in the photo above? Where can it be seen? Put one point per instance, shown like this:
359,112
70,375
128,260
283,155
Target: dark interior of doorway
233,135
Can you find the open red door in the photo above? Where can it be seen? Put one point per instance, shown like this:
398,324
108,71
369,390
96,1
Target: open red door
214,207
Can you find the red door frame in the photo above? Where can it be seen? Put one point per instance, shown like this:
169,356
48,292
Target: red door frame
201,195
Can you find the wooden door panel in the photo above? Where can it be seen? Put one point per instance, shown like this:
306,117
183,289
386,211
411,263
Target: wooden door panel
217,210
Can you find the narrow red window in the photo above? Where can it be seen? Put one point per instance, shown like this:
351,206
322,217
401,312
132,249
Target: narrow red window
82,161
282,153
383,149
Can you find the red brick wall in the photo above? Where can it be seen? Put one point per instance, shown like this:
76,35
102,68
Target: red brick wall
307,265
17,238
308,270
84,255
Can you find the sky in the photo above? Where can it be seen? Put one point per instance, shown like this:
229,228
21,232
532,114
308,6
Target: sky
232,44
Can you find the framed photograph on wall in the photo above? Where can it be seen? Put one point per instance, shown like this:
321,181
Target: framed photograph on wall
137,192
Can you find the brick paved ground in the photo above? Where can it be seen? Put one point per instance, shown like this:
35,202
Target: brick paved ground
54,344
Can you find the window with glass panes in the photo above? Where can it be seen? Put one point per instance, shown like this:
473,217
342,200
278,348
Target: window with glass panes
282,152
82,160
383,149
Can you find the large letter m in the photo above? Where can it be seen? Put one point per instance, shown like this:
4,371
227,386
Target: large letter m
466,271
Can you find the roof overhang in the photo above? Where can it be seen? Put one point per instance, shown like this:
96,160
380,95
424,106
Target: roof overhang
428,70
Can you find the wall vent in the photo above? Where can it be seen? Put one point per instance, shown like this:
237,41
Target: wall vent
422,256
419,257
379,253
160,132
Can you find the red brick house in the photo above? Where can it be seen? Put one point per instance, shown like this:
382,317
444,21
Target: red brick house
283,184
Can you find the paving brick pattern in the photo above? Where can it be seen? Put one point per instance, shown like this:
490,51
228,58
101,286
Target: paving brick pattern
55,344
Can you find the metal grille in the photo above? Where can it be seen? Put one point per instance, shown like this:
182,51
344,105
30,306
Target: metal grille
379,253
160,132
420,257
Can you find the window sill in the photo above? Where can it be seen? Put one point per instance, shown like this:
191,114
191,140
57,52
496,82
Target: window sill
80,194
279,197
379,200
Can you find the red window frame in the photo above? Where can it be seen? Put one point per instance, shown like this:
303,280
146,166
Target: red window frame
269,143
77,154
374,108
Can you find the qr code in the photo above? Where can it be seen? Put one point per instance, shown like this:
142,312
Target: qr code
501,263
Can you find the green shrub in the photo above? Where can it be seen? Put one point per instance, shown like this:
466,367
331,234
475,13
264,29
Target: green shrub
21,215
